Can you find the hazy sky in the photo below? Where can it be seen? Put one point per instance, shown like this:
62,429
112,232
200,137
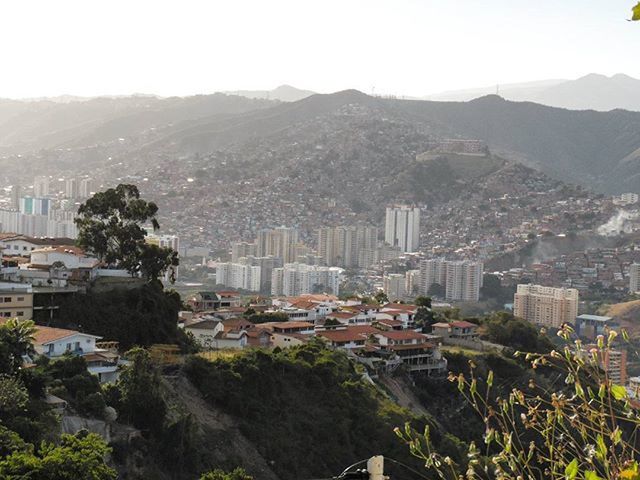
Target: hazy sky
410,47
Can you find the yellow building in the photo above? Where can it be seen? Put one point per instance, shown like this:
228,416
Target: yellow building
546,306
16,301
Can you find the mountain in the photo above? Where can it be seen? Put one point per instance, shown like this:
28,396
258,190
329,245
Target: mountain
600,150
283,93
44,124
346,132
591,92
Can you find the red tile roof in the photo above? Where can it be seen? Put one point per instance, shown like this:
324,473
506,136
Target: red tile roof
402,335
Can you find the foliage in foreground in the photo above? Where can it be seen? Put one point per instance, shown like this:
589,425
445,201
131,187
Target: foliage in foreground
305,408
586,429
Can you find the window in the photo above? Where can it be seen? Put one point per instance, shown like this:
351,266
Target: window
7,299
24,249
50,348
6,314
15,247
19,314
20,299
68,347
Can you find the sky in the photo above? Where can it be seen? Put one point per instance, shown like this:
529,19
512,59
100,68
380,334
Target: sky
401,47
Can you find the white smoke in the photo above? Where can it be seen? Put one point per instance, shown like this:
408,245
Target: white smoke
625,221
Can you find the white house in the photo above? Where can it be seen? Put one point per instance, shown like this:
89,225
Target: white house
71,257
211,334
55,342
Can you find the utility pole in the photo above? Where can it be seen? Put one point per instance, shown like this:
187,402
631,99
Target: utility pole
375,467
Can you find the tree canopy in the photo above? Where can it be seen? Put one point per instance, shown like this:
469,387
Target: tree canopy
110,227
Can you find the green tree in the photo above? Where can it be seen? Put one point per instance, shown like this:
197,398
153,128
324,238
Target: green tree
156,260
77,457
236,474
635,13
110,227
381,297
142,403
16,340
423,301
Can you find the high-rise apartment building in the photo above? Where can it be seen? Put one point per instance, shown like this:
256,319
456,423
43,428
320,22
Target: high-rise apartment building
546,305
460,280
15,197
394,284
41,186
341,246
634,277
402,227
280,242
463,281
86,187
242,249
238,275
296,279
71,188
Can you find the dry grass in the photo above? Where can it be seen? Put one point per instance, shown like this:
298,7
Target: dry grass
213,355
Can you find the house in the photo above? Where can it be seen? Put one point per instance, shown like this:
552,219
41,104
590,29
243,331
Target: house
211,334
23,245
258,337
55,342
398,311
72,258
207,301
418,354
464,330
288,327
16,301
204,301
349,337
285,340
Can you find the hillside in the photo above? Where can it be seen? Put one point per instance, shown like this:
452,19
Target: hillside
591,92
600,150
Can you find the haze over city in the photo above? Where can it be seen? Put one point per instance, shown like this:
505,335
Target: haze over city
304,240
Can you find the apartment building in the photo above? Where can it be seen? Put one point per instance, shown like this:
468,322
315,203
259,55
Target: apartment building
461,280
239,275
242,249
394,284
16,301
280,242
297,279
402,227
342,246
546,305
634,277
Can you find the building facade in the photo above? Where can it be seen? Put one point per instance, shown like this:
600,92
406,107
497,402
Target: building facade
402,227
546,306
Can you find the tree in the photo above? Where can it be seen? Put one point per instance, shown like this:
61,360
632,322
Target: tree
142,402
80,456
236,474
635,13
381,297
16,341
109,226
155,260
423,301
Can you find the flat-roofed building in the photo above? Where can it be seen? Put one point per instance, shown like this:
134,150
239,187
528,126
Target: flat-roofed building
546,306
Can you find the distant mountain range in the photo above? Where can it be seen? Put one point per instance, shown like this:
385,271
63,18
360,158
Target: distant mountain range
600,150
283,93
591,92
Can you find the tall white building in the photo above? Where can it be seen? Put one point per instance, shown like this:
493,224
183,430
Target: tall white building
634,277
86,187
402,227
238,275
297,278
461,280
